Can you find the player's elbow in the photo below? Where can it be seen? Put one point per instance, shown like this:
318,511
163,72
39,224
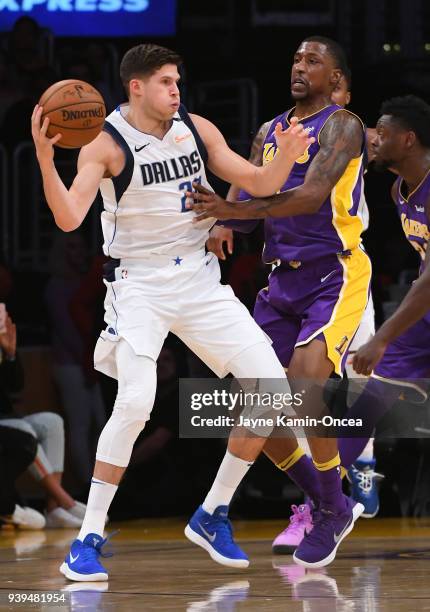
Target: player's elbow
69,224
68,228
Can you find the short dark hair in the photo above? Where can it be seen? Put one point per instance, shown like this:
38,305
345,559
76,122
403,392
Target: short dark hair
411,113
144,60
335,50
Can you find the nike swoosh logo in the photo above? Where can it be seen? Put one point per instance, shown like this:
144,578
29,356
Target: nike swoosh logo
210,537
336,536
73,559
324,278
137,149
181,138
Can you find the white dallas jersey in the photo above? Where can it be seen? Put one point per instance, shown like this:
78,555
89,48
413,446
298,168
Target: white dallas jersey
144,207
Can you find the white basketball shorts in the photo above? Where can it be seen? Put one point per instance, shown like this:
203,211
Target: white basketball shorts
147,298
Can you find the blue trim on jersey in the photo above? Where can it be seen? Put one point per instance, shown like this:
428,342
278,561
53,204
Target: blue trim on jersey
183,113
116,314
123,180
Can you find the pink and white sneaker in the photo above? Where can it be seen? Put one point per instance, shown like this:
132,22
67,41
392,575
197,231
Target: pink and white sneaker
300,524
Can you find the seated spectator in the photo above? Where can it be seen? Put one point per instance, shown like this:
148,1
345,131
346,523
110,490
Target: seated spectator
79,390
17,451
46,428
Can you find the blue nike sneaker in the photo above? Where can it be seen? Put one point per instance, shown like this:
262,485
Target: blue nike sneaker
82,564
214,533
364,486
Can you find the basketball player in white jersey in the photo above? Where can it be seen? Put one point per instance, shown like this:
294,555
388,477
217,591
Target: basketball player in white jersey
158,278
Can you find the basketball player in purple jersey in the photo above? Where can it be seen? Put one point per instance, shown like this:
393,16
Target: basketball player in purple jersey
400,350
318,290
362,474
397,358
363,477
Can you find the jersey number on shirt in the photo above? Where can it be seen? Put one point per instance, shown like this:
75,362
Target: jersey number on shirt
188,186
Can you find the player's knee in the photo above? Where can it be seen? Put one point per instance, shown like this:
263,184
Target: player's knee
131,411
303,369
134,406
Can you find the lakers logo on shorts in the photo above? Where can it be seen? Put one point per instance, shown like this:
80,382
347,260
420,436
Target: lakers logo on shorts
340,348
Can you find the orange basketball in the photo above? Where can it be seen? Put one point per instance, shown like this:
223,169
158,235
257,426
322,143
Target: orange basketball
76,111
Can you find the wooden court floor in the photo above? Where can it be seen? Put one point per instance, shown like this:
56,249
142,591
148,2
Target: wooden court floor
384,565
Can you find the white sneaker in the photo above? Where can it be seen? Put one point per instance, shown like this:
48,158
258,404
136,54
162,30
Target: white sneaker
79,510
59,518
25,518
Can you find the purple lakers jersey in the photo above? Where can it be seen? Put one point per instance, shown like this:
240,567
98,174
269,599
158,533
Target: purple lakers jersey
336,226
413,214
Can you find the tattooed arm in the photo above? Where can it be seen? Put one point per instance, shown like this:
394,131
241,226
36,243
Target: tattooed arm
340,141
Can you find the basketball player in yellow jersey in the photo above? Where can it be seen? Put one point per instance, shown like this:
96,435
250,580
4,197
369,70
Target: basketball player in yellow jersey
158,278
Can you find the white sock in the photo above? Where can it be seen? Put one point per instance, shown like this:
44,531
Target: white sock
99,500
229,476
367,454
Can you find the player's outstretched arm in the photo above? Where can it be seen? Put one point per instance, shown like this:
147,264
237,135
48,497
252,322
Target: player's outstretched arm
340,141
232,168
69,206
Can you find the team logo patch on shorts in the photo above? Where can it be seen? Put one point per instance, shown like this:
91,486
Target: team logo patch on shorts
340,348
124,273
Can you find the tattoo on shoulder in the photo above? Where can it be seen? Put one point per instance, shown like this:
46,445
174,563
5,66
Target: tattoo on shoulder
255,157
341,140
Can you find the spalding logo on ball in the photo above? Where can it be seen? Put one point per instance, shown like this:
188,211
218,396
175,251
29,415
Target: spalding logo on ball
76,110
